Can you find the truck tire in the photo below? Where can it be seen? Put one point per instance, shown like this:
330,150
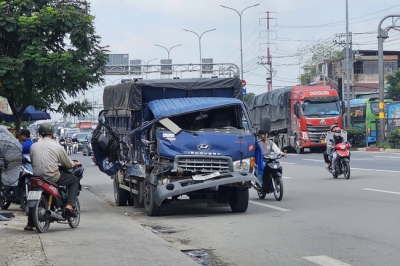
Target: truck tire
120,195
239,199
297,147
152,209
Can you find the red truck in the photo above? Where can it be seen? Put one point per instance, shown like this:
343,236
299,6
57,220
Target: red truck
300,116
85,126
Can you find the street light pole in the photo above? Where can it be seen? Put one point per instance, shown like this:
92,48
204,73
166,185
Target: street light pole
199,36
240,21
167,49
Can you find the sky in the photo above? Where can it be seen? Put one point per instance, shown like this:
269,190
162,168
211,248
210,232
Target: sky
134,27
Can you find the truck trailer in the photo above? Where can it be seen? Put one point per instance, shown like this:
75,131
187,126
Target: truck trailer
173,141
300,116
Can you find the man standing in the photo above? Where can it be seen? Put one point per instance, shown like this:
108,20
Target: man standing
25,138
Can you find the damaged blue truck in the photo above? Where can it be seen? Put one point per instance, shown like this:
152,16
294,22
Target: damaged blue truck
172,141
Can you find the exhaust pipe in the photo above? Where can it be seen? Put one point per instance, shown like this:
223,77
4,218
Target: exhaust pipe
54,215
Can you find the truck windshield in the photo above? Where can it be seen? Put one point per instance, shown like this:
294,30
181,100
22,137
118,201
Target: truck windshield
320,108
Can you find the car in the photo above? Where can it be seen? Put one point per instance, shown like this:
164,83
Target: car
87,147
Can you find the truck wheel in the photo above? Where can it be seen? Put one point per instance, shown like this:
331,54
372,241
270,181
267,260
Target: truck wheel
239,199
131,200
152,209
297,147
120,195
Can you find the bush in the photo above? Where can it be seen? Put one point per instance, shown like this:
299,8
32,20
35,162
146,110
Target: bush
385,145
356,137
394,139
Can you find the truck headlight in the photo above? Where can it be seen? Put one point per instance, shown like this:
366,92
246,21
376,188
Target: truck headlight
304,135
243,167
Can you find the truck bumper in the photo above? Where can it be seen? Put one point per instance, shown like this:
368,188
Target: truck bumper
188,185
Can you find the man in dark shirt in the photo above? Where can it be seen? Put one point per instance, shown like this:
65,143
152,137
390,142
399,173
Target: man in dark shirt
25,138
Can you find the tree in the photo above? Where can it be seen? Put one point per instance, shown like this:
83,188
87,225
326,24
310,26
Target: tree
247,97
393,80
48,51
314,54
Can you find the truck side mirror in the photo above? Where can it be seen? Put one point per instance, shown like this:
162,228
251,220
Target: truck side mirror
265,124
296,109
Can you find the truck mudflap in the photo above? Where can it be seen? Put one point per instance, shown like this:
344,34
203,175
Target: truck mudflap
187,185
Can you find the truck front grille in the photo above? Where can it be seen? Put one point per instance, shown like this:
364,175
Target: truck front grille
195,163
317,133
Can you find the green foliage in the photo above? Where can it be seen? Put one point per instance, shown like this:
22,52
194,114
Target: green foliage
48,51
314,54
394,139
384,145
393,80
356,137
247,97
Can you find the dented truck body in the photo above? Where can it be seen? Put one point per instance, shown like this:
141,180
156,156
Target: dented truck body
180,141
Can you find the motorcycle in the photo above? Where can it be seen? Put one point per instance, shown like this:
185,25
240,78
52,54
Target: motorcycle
46,201
69,148
74,147
16,194
275,173
342,161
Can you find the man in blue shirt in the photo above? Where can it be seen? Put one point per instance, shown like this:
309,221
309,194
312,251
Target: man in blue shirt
25,137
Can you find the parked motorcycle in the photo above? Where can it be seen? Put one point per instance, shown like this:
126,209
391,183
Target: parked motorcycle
342,161
16,194
275,173
46,201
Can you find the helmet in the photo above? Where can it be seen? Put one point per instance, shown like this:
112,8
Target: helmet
332,128
337,131
46,129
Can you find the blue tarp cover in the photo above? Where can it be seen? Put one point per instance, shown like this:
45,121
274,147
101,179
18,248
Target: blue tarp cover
170,107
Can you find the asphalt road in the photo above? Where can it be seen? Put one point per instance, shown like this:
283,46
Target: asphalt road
320,221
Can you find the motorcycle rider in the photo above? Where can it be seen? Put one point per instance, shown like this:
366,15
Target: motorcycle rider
62,142
45,157
337,138
325,154
74,143
264,147
68,144
25,138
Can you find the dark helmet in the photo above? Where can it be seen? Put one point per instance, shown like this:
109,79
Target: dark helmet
46,129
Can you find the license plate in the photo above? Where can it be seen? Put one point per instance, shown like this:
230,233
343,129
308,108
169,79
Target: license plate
322,141
205,177
34,195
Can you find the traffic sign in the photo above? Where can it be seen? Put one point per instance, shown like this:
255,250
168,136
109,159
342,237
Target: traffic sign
243,83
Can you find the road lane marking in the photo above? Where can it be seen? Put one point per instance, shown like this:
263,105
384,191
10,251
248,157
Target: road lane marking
326,261
383,191
269,206
313,160
391,157
287,163
286,177
376,170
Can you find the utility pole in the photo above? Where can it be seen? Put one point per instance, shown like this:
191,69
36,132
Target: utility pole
347,65
269,58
